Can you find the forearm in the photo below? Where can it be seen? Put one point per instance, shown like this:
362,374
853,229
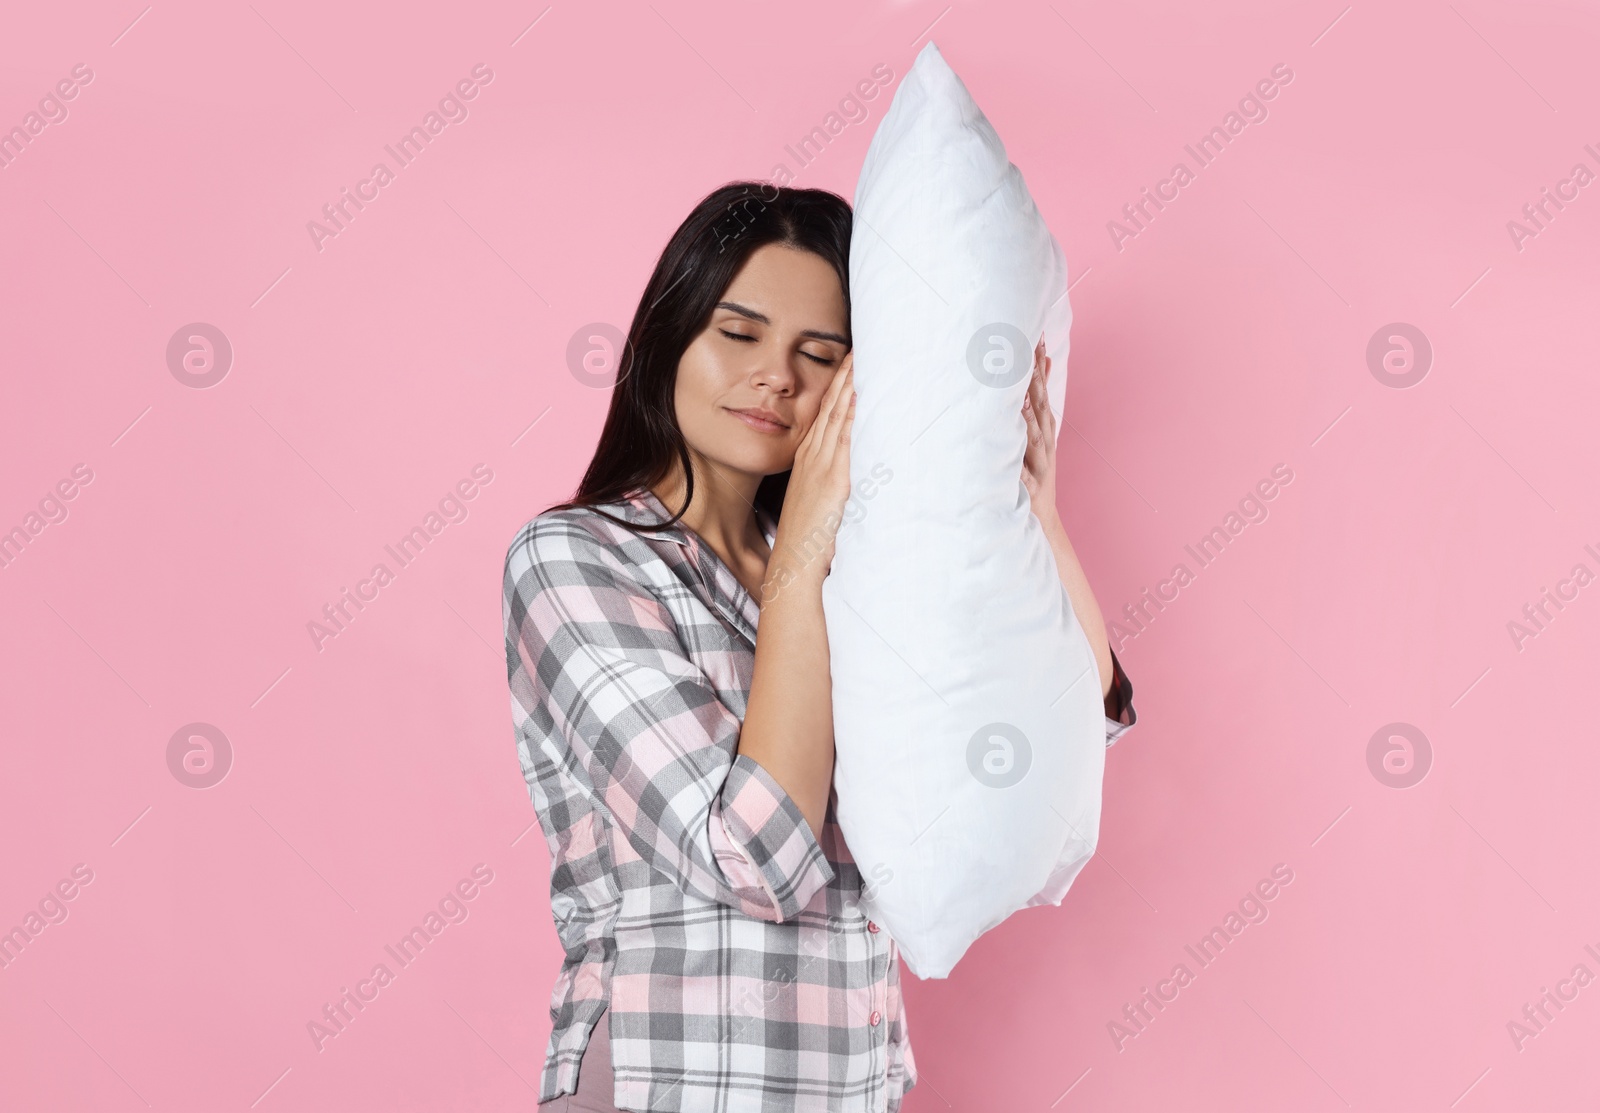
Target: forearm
1083,601
788,724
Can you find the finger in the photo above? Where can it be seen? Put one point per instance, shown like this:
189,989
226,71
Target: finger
847,384
1030,415
1047,425
1036,389
1041,393
849,420
830,397
829,404
841,406
831,437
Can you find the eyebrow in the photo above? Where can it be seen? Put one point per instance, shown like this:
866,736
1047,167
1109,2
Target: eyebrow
810,333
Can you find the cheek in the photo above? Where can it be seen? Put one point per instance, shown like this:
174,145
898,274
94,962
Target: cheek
808,404
699,377
805,416
694,411
699,383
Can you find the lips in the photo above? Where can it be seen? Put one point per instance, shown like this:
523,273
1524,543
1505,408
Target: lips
762,421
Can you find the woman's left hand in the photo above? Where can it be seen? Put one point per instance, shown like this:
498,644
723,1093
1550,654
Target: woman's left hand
1039,460
1039,477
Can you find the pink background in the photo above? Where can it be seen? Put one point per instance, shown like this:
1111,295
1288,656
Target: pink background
1229,336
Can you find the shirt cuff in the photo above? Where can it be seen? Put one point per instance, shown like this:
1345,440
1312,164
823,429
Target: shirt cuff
1120,715
772,834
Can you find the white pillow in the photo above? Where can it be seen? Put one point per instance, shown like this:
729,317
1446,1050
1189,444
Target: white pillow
969,725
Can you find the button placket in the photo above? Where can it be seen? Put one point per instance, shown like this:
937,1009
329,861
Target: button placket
880,979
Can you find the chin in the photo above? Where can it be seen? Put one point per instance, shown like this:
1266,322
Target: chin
752,460
772,465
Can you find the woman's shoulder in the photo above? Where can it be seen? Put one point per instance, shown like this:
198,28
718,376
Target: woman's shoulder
590,536
573,575
551,534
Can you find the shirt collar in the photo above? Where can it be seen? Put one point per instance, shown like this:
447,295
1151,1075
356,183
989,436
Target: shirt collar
642,508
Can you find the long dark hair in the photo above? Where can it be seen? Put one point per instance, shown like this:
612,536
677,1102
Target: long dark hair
641,437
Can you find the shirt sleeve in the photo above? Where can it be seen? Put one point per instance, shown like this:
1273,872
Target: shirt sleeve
601,681
1120,715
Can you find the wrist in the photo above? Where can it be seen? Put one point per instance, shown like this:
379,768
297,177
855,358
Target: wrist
804,549
1050,521
789,571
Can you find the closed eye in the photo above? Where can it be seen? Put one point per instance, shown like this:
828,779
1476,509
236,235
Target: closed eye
751,339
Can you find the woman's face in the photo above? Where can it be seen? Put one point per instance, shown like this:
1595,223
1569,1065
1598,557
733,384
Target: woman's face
750,385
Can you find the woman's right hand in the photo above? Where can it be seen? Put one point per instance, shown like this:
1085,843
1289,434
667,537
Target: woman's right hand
788,723
819,487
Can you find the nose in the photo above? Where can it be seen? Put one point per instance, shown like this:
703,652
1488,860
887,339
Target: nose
774,372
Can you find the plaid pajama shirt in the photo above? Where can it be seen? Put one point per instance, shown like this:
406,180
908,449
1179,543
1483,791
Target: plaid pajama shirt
688,891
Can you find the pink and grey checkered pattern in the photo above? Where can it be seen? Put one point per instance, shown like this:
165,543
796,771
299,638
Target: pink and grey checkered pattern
687,889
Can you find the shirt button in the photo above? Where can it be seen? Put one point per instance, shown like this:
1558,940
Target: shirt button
872,927
874,1018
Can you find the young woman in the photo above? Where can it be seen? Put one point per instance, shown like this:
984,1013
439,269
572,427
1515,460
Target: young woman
681,767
